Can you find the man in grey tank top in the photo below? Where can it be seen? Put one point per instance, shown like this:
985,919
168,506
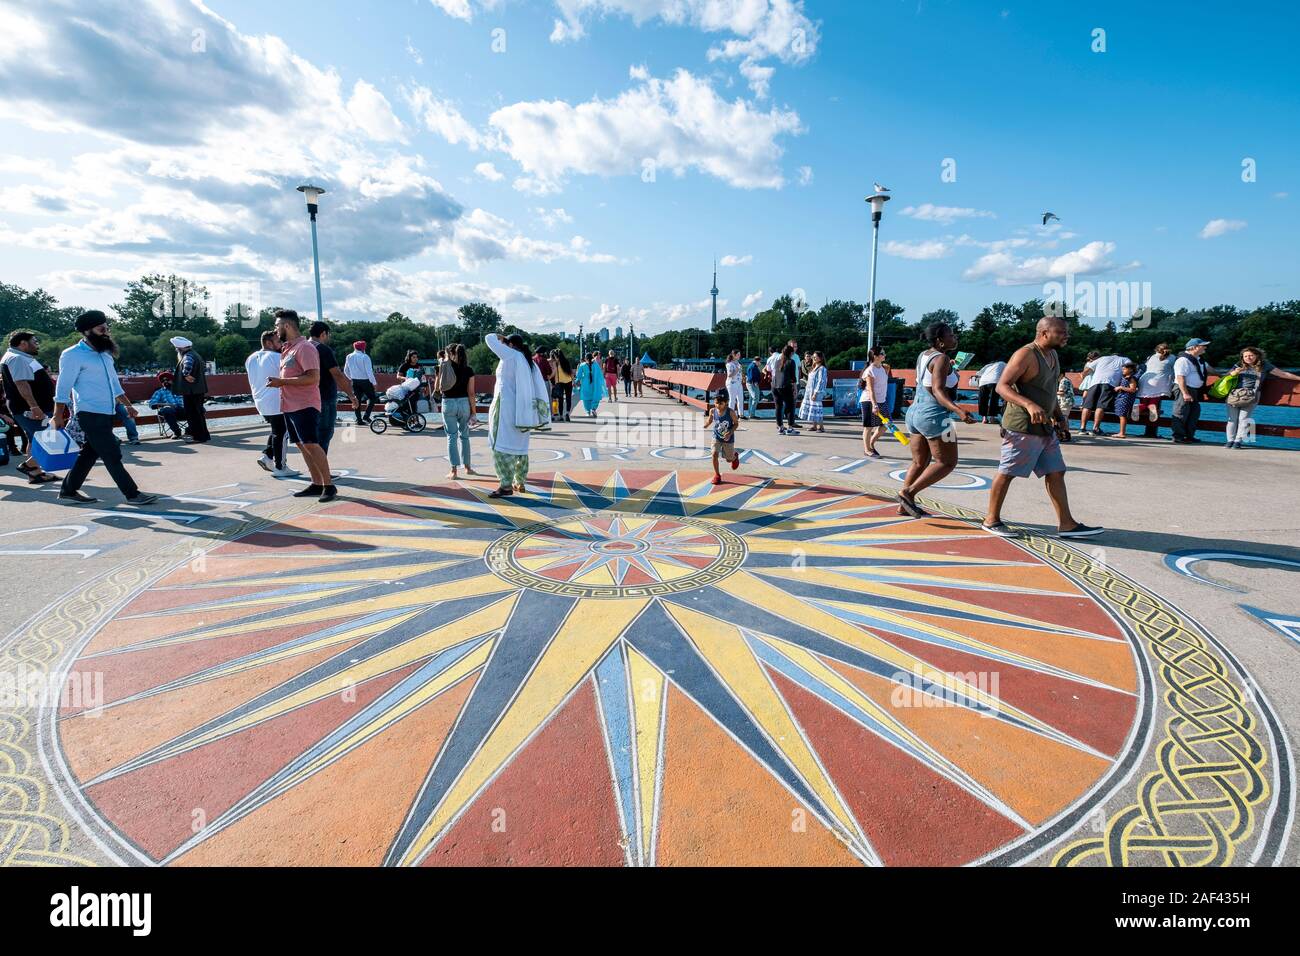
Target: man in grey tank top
1031,427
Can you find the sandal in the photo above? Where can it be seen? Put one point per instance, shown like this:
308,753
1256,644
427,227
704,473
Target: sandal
40,477
501,493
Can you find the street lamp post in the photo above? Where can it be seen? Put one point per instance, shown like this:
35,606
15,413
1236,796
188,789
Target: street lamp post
313,194
877,201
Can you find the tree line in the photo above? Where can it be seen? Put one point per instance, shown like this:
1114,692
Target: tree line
146,319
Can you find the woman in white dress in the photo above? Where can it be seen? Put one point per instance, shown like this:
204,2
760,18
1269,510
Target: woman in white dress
521,405
735,383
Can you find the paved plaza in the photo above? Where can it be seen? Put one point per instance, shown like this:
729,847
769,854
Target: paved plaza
632,666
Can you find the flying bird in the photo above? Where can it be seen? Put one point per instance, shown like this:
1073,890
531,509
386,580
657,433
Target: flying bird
1050,215
880,188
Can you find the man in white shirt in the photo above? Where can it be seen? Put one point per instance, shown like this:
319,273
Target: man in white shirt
990,406
1155,384
1107,372
1190,372
261,366
361,372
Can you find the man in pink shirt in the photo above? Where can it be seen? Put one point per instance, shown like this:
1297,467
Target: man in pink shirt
299,385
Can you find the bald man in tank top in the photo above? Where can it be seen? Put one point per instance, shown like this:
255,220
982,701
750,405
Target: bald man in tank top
1031,428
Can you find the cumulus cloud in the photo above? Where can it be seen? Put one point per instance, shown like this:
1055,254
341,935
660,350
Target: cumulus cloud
928,212
371,111
728,261
442,118
916,249
1221,227
480,237
805,175
489,172
664,126
551,218
752,299
1005,269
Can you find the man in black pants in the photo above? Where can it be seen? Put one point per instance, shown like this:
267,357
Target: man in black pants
88,378
1191,372
192,386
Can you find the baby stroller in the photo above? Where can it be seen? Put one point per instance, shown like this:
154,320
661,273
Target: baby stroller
398,410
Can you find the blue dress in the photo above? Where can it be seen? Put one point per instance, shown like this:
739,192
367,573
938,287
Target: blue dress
591,386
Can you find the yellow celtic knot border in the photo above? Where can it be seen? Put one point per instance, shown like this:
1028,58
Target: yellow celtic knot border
1199,807
33,829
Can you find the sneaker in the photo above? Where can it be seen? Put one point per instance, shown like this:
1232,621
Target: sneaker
266,464
1000,529
328,494
717,479
78,496
1080,531
133,441
285,473
311,491
874,455
142,498
735,463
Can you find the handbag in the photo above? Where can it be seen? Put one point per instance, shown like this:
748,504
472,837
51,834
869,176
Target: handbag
1243,395
1223,386
54,449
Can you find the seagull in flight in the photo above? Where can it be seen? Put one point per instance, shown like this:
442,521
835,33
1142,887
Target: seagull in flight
1050,215
880,188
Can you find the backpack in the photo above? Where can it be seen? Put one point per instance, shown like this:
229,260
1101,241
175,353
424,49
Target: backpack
446,377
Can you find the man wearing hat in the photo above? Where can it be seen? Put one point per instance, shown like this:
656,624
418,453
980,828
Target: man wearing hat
169,406
361,372
1190,372
88,379
192,386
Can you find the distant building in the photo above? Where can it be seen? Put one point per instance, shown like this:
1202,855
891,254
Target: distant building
602,335
618,332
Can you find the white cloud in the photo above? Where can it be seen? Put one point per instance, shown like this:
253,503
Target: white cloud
1005,269
460,9
1221,227
751,299
489,172
441,117
805,175
551,218
371,111
729,261
674,125
414,53
480,237
928,212
916,249
1282,195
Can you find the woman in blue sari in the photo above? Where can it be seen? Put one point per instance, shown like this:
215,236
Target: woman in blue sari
591,383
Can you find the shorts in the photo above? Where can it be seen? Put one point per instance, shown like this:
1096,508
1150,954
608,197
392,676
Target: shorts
1023,453
1098,396
303,425
869,417
726,450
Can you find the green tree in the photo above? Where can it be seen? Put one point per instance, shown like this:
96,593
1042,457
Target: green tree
391,346
476,318
231,351
36,311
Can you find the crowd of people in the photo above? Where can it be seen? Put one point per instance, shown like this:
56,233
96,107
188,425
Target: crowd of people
295,380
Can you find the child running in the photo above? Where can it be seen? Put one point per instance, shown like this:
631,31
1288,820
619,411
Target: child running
724,422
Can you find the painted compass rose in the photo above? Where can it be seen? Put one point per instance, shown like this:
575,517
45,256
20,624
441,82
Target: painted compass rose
628,668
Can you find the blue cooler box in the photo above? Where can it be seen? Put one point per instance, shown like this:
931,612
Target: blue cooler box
54,450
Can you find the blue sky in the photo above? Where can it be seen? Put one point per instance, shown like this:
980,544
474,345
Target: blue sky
498,150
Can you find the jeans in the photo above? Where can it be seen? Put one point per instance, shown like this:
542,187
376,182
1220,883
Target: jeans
122,415
1241,424
197,418
564,395
275,441
329,416
172,415
627,388
1185,418
753,390
784,398
100,444
455,417
362,388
